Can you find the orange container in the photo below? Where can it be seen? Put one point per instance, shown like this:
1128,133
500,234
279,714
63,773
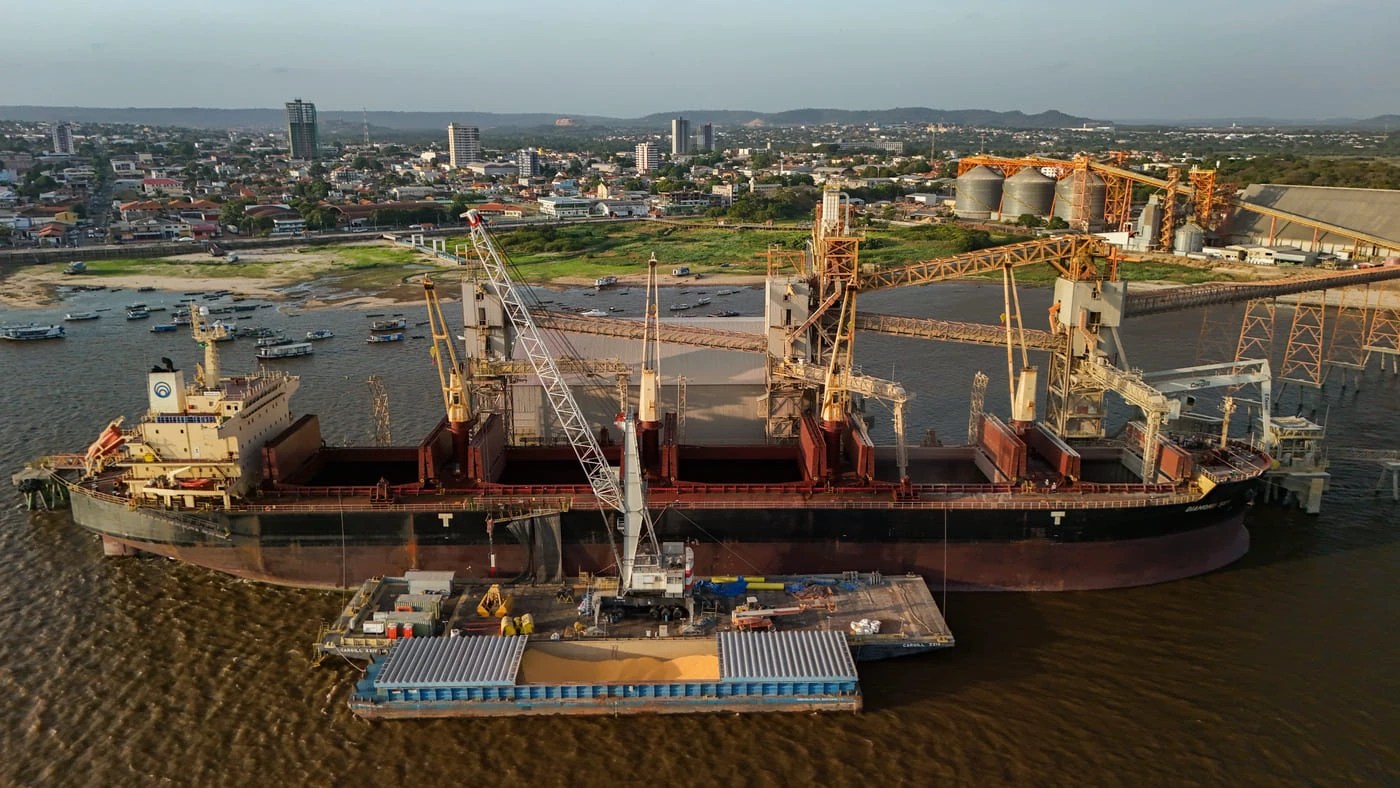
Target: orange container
391,631
407,630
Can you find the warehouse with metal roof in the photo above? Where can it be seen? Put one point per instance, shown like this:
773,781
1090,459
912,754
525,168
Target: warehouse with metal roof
1372,211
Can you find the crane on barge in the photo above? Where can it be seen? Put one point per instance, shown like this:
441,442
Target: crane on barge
638,571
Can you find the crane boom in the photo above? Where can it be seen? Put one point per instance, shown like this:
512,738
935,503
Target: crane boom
451,373
601,478
561,399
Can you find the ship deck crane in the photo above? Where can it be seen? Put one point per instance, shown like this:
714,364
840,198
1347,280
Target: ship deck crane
451,374
629,503
649,392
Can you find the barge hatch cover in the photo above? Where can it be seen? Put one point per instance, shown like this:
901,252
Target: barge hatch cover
792,655
418,663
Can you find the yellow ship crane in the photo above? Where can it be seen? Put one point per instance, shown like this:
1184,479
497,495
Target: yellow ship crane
452,376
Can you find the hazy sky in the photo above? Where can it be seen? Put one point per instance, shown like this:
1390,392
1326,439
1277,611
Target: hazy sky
1114,60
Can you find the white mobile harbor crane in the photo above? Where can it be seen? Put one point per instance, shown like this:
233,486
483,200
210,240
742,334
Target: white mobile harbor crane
627,500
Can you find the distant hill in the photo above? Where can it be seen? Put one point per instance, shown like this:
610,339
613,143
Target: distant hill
956,117
1378,123
215,118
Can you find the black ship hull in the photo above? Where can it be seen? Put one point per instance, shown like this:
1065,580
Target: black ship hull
1050,542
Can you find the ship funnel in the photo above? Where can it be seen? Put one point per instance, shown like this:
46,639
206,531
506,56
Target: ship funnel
166,391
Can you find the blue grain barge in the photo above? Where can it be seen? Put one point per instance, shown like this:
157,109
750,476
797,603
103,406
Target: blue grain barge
483,676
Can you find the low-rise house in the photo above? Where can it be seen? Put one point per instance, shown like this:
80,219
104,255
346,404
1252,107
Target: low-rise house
402,193
1278,255
686,202
151,229
288,225
500,209
618,209
168,186
565,207
139,209
494,169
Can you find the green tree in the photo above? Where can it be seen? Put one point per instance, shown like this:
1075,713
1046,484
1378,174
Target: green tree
458,207
36,184
1030,220
233,212
1056,223
664,185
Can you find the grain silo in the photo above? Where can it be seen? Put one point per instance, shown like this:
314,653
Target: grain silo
1027,192
1081,198
978,193
1190,239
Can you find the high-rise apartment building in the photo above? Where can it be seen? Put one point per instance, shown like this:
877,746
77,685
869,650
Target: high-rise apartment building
301,129
680,136
648,157
707,138
527,163
463,144
63,139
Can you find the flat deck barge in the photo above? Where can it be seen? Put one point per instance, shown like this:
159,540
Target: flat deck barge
879,616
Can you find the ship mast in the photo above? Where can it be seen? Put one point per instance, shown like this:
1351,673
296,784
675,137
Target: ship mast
208,336
649,393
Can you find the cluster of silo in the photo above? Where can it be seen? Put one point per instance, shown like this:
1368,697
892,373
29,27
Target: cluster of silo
984,193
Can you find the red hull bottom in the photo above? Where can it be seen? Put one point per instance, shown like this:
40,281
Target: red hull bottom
1030,565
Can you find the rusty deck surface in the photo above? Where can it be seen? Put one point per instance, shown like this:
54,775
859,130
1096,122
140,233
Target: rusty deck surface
909,618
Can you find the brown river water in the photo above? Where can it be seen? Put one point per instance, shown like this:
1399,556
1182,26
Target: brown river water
1281,669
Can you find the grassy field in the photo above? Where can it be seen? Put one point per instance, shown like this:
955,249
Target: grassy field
360,257
620,249
372,265
165,266
584,252
1045,274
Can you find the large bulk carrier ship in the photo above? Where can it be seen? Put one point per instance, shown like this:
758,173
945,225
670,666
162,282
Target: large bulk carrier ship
221,472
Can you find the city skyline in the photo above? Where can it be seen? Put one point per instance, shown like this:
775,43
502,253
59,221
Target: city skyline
1090,58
